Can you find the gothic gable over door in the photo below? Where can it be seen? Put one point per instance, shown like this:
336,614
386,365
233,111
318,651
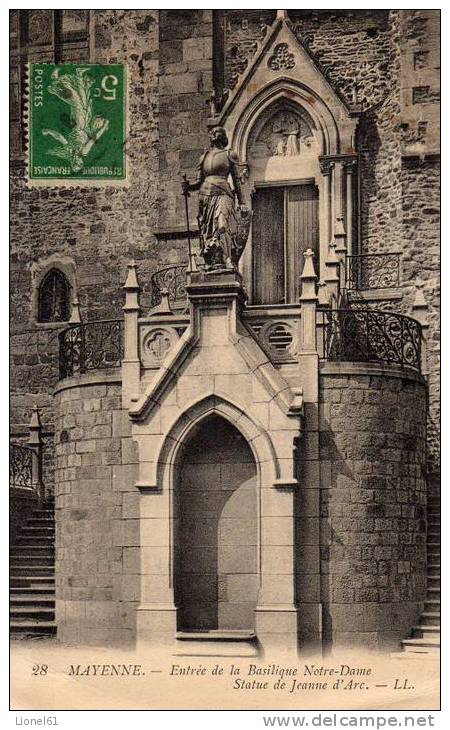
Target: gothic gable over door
290,127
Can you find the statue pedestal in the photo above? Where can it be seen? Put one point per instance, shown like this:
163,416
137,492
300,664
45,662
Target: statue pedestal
217,286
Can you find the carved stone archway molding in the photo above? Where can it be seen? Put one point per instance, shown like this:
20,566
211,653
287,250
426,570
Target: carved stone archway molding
217,367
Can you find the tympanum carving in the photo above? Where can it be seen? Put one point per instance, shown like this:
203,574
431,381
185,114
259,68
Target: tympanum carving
285,134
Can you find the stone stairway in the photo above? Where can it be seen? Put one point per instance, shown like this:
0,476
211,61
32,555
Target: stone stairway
32,576
426,636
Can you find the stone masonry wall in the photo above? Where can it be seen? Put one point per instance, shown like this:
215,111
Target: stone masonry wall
100,229
185,86
373,508
97,571
421,261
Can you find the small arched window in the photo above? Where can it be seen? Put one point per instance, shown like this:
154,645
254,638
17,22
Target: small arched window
54,298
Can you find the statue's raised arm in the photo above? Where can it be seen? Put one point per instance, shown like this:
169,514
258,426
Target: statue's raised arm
223,220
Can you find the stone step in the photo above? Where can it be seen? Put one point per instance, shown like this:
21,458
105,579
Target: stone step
421,632
42,590
433,567
32,549
33,627
32,581
421,646
217,635
44,540
41,613
430,618
37,531
35,599
434,557
232,643
433,592
31,571
25,559
432,604
433,581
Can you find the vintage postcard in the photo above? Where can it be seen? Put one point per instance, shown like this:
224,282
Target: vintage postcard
224,434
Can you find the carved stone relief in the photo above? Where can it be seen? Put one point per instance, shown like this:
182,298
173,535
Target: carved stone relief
156,344
281,59
285,134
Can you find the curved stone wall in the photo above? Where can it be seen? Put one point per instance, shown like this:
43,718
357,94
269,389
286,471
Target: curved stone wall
97,530
373,505
360,512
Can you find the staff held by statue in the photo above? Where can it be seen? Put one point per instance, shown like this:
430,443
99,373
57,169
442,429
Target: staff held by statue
192,261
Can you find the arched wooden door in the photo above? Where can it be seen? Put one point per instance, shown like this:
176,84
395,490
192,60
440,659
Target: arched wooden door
216,574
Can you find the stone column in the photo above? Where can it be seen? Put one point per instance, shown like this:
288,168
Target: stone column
156,613
131,361
349,167
326,168
338,186
332,277
35,442
341,250
307,497
308,354
420,312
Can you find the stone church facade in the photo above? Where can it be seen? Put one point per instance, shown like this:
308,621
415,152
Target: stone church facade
244,456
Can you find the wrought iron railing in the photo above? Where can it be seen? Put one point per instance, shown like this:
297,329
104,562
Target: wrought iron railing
90,346
20,466
173,280
373,271
368,335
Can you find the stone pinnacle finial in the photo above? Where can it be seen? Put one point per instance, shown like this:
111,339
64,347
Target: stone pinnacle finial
322,294
35,420
308,278
282,14
164,306
35,428
308,266
420,306
75,314
332,257
131,282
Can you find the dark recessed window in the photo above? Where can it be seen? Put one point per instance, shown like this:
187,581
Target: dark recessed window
54,298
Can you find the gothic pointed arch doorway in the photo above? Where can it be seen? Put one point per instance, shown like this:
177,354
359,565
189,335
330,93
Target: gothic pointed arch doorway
216,577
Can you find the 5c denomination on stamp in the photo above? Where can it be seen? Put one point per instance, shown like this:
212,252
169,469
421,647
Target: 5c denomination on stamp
77,124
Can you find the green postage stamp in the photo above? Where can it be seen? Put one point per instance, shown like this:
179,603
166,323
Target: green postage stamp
77,124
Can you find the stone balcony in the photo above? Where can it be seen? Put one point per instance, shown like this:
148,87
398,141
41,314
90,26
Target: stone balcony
352,332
